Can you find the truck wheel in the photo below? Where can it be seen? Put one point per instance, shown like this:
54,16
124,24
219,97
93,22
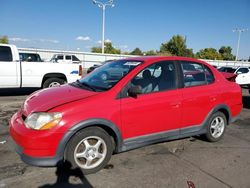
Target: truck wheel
90,150
53,82
216,127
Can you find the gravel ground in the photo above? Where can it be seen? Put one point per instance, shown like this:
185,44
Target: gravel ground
170,164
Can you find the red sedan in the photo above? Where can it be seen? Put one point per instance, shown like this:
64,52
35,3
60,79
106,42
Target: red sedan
153,99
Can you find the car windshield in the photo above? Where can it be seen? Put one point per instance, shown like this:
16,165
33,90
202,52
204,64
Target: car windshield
106,76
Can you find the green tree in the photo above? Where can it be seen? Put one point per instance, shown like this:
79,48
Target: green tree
208,53
109,49
226,53
4,40
150,53
164,54
188,53
176,46
136,51
96,49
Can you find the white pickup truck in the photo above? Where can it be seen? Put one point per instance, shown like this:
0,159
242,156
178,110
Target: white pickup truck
17,74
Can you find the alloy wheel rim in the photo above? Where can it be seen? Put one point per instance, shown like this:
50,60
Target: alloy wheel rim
90,152
54,84
217,127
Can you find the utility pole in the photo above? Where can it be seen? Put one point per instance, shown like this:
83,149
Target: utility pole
238,44
103,7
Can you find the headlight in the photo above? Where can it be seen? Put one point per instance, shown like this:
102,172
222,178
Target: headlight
42,120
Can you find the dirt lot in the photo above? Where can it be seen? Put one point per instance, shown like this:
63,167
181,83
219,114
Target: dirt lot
170,164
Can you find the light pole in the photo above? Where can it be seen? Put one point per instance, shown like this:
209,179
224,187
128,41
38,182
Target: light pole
103,7
238,45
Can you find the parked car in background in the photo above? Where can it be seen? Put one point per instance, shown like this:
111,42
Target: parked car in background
240,75
227,69
243,77
242,70
146,101
65,58
17,74
90,69
31,57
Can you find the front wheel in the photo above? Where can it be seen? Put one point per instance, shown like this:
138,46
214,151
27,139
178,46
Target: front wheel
90,150
216,127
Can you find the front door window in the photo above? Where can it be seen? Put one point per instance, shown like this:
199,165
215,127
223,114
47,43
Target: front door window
157,77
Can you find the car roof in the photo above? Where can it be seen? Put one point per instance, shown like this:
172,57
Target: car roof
163,58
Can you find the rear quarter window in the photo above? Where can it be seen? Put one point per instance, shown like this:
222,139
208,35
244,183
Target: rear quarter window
75,58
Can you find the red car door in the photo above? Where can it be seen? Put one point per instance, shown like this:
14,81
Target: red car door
199,95
156,110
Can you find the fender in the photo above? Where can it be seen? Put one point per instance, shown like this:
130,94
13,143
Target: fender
223,107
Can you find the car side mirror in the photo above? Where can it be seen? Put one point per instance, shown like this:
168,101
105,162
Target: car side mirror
133,91
239,72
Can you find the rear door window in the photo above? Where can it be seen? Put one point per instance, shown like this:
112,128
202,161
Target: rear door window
195,74
5,53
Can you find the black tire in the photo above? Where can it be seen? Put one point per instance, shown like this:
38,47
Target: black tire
78,140
53,81
211,135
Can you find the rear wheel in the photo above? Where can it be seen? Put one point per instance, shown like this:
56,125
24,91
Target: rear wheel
90,150
216,127
53,82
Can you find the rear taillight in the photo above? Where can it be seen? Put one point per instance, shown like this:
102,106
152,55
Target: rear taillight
80,72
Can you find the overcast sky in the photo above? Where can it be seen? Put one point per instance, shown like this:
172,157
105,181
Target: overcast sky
77,24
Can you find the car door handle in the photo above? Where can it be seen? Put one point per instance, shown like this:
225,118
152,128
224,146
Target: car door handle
212,99
175,104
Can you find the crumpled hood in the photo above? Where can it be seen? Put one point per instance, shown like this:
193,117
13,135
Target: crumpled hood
46,99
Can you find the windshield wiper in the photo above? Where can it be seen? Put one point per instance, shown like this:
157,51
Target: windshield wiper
86,85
